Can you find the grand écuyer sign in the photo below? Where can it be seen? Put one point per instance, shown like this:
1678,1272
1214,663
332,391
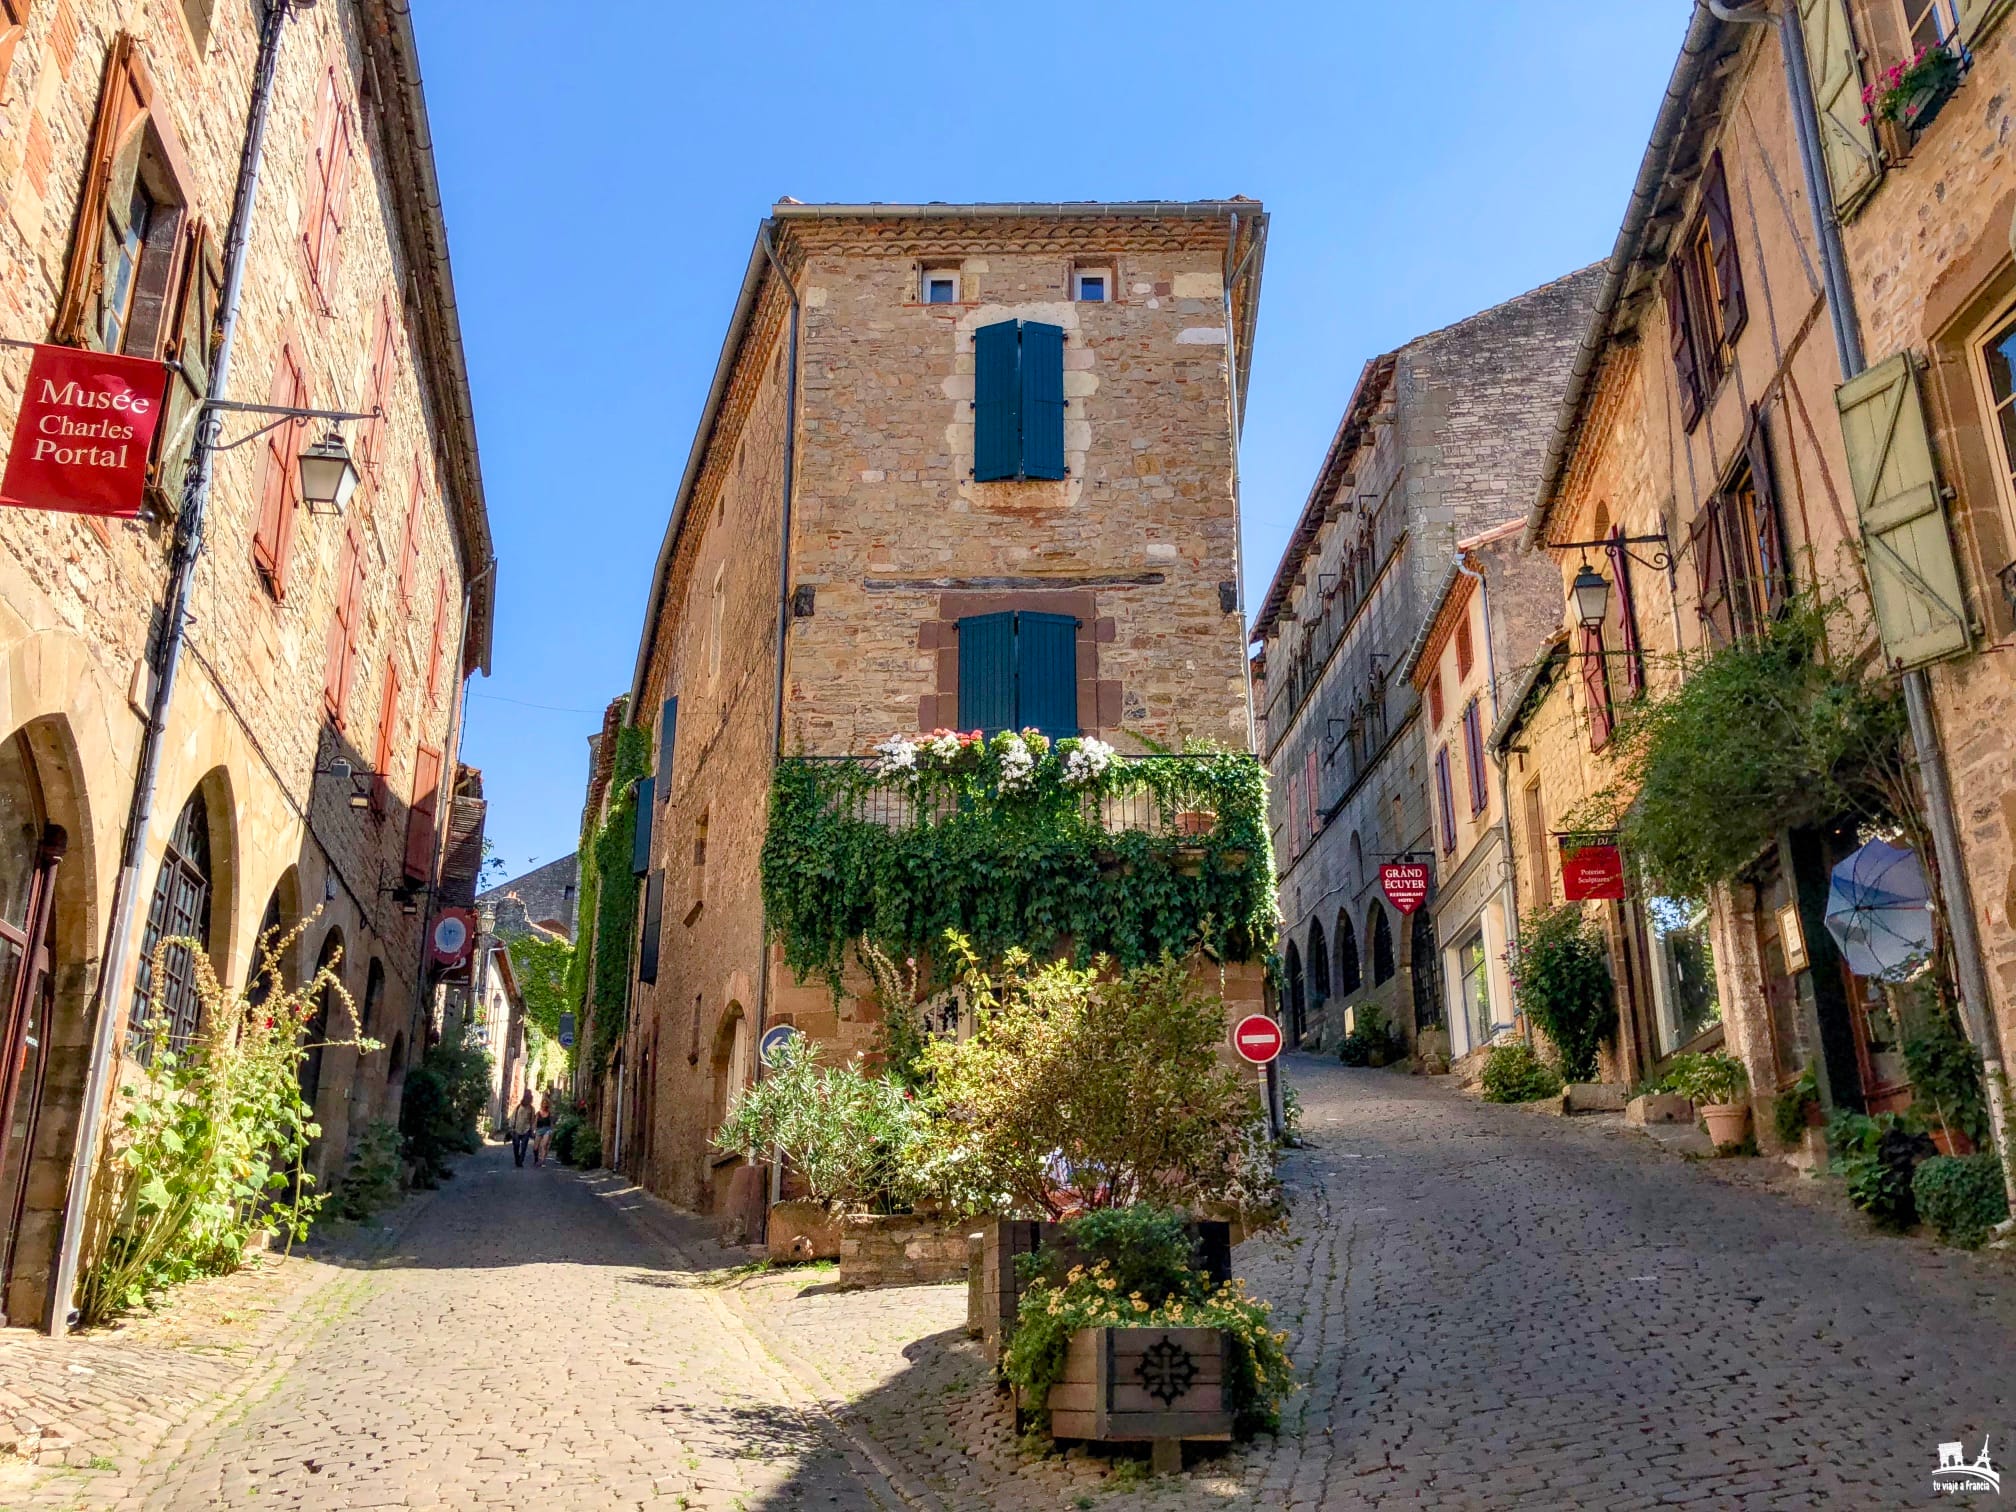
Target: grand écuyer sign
85,428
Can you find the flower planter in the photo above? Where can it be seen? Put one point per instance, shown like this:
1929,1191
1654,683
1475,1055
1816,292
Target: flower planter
1951,1142
997,1299
1130,1385
1726,1122
1195,823
1924,104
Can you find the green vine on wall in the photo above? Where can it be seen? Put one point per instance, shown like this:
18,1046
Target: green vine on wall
599,974
1003,842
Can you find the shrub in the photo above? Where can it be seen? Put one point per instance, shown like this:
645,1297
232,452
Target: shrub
1513,1073
565,1128
1372,1041
1710,1080
1877,1156
846,1132
1136,1268
444,1097
1961,1196
1081,1089
1788,1109
372,1180
1561,975
207,1143
588,1147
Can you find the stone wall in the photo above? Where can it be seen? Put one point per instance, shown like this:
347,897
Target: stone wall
247,729
907,1250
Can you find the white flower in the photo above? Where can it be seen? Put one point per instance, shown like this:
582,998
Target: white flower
895,757
945,745
1018,765
1087,762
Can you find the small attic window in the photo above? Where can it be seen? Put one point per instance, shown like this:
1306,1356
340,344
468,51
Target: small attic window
939,285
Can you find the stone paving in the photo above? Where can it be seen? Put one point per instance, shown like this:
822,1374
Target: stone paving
1491,1308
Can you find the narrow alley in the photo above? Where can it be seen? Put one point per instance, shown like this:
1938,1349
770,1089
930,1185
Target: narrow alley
1490,1308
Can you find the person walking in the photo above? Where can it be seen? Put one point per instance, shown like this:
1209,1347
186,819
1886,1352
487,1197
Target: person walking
522,1120
542,1130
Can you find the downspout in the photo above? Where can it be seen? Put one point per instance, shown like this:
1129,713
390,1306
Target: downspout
120,930
783,642
1976,1006
1509,884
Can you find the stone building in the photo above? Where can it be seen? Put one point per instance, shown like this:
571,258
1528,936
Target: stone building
1441,441
540,903
1487,627
1775,407
868,394
315,638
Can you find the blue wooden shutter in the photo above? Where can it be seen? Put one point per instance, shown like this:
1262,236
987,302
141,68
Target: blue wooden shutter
1042,400
997,401
987,672
668,733
640,844
654,926
1046,673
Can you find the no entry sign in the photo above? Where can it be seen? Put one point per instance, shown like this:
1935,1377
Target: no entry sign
1405,884
1257,1038
81,440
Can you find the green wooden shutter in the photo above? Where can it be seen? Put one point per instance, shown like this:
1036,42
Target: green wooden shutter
997,401
1913,578
1976,16
987,673
1042,400
1846,141
640,839
668,735
1046,673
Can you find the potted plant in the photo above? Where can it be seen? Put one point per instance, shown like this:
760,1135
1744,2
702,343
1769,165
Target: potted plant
1911,94
1715,1084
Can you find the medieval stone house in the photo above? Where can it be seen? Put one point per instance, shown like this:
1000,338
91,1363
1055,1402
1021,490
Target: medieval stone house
315,638
1003,441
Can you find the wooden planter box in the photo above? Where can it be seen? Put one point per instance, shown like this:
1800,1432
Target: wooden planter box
997,1298
1129,1385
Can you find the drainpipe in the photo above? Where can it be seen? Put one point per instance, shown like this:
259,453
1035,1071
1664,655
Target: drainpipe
1976,1006
783,642
119,933
1510,883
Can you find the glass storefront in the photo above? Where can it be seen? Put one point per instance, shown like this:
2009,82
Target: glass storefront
1685,996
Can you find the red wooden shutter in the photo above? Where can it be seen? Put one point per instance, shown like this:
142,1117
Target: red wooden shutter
372,442
1309,790
419,860
273,535
1473,755
1294,815
1711,574
336,666
1680,333
1463,648
388,735
13,22
409,547
123,102
1722,247
1435,696
1627,612
329,190
440,641
1596,688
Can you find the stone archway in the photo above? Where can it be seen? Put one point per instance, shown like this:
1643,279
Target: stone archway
1297,1006
1350,975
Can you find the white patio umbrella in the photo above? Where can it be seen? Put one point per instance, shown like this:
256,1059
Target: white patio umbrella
1879,911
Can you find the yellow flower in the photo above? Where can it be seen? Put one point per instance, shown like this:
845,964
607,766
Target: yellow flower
1139,1305
1109,1284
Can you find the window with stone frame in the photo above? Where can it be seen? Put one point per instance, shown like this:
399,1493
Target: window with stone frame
1705,305
938,283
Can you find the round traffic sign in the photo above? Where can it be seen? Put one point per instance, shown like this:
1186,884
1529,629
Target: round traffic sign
773,1043
1257,1038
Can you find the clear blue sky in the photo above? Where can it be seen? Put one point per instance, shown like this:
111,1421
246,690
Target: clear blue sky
605,167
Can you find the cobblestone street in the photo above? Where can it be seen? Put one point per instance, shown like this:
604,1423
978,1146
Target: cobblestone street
1491,1308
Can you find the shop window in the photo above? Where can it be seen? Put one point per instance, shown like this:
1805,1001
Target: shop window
1018,670
179,909
1473,988
1685,997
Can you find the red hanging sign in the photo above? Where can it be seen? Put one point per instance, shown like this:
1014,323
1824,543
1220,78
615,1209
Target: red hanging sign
453,935
1405,884
86,425
1591,871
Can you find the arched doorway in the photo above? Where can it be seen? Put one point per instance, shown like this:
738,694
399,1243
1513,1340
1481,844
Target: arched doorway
31,849
1349,976
1382,945
1319,976
374,997
316,1030
732,1063
180,908
1424,958
1292,969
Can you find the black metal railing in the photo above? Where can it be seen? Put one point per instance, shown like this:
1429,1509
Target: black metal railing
1137,810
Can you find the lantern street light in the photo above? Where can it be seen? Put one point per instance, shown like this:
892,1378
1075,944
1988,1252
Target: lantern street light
328,476
1591,594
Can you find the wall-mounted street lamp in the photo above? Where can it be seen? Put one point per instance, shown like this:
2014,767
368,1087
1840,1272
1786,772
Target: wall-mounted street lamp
328,476
1590,593
343,771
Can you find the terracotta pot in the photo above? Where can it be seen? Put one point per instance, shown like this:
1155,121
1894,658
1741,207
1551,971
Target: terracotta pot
1951,1142
1725,1122
1194,822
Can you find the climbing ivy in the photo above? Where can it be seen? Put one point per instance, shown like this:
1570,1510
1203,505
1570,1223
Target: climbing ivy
599,974
1007,844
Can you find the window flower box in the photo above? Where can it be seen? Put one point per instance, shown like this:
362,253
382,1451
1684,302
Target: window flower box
1909,95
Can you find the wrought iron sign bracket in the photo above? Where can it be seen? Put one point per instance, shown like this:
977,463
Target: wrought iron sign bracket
1661,560
283,414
